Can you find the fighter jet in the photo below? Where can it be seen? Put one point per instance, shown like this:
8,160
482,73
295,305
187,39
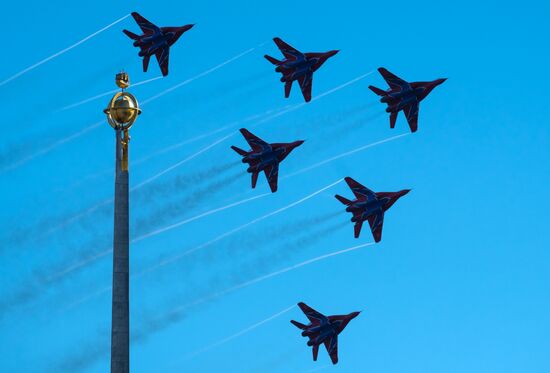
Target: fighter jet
369,206
298,66
155,40
323,329
264,157
404,96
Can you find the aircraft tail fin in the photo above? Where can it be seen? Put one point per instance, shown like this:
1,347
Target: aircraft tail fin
131,35
239,150
254,179
345,201
146,63
378,91
272,60
298,325
315,352
393,118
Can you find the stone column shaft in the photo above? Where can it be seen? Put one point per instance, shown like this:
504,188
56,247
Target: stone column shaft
120,327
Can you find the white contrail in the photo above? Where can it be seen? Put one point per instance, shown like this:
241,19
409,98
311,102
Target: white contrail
265,277
62,51
82,102
77,265
189,220
345,154
204,73
79,215
318,97
233,231
277,114
176,165
143,183
106,252
238,334
52,146
207,134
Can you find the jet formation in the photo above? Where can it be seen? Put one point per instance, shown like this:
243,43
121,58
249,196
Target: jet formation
404,96
323,330
155,40
264,157
369,206
298,66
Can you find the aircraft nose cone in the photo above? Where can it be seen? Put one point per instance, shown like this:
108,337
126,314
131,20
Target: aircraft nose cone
405,191
187,27
354,314
295,144
440,81
332,53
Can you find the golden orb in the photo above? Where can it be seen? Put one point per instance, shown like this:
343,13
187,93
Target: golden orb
122,110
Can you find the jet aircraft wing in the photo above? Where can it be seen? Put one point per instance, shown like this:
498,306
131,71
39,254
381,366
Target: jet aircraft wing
393,80
272,175
376,222
287,50
162,57
311,314
360,191
254,141
305,85
332,348
145,26
411,112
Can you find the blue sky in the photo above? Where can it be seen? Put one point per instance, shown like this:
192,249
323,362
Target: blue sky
460,281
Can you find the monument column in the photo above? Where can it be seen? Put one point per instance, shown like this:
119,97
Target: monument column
121,114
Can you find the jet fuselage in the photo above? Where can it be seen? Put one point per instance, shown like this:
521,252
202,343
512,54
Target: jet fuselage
368,208
160,39
398,99
269,155
302,64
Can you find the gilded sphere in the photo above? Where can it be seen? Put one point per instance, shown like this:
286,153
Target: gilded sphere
124,110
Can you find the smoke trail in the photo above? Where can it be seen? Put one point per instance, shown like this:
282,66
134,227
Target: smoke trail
32,67
105,202
177,314
181,183
175,208
286,230
52,146
245,270
196,217
318,97
167,149
29,291
89,99
238,334
87,129
265,277
204,73
207,134
88,259
233,231
176,165
331,159
218,141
